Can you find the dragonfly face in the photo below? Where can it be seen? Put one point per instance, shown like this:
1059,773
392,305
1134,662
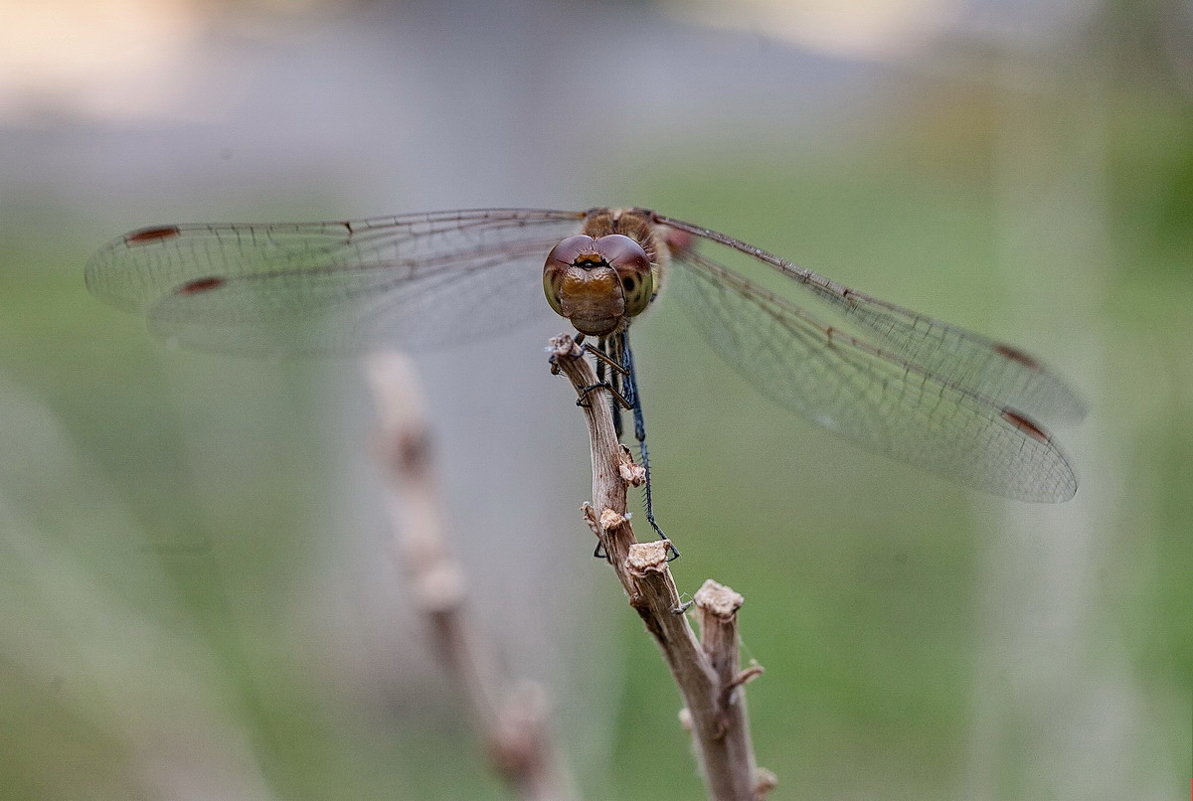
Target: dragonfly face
895,381
600,279
598,284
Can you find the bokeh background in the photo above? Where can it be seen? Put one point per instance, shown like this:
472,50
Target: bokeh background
197,594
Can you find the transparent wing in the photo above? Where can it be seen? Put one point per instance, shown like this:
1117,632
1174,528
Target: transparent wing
999,372
941,421
414,280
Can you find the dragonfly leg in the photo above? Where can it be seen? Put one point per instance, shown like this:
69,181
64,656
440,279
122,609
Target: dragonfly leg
613,384
583,401
619,400
602,357
602,382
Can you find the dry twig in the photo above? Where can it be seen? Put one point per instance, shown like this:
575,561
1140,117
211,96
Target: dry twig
513,722
706,672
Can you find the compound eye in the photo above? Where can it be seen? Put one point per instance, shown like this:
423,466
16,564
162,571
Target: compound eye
570,250
562,258
629,261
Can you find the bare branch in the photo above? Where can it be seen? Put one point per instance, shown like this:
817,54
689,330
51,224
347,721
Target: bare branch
513,722
706,672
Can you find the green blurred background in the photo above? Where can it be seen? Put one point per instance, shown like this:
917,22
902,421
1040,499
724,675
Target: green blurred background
197,595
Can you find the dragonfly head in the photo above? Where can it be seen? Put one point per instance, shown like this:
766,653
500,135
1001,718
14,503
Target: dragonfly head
598,283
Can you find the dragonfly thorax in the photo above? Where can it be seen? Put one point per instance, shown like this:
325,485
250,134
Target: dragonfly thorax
598,283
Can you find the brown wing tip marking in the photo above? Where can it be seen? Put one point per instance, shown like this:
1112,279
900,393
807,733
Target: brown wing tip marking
151,234
200,285
1016,355
1025,425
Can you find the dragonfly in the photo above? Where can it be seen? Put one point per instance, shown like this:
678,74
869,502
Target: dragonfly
896,382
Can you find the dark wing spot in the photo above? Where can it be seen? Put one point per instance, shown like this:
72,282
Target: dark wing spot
200,285
1016,355
151,234
1025,425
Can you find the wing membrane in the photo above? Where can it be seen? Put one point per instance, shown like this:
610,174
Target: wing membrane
1000,372
413,280
881,401
927,393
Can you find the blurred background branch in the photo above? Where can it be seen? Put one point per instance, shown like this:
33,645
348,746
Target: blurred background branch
514,723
